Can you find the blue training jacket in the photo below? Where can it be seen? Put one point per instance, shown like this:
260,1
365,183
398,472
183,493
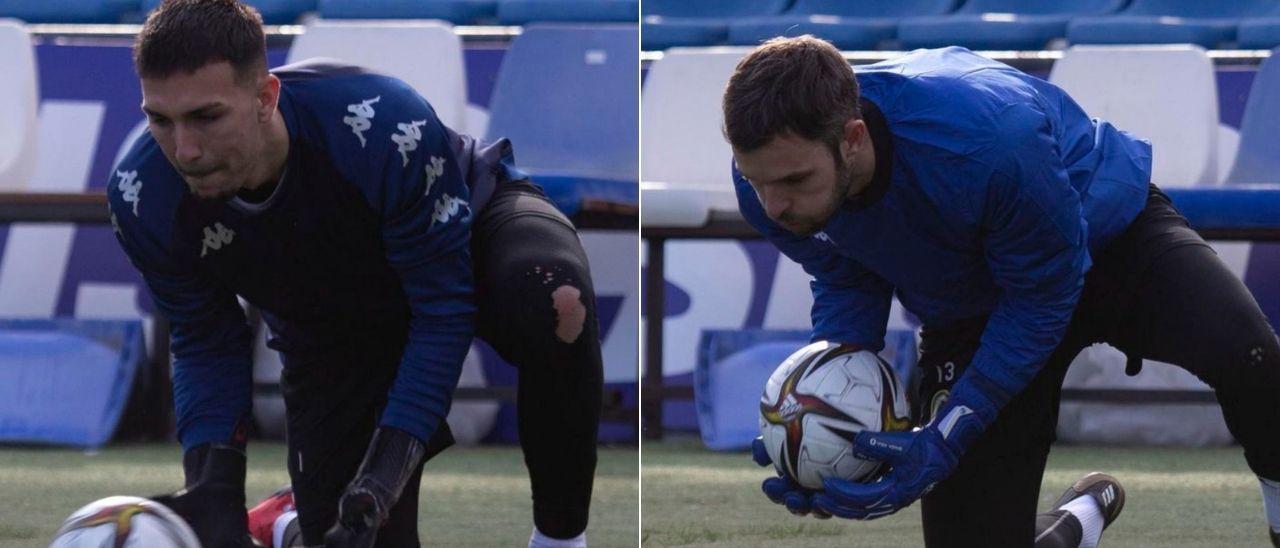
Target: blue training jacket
368,230
991,189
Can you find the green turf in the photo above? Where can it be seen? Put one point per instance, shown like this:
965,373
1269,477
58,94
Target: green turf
1175,497
471,496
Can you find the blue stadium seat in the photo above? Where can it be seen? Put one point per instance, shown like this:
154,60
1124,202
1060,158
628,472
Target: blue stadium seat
455,11
1207,24
846,34
1000,24
274,12
848,25
1259,33
68,11
671,23
520,12
1258,156
566,97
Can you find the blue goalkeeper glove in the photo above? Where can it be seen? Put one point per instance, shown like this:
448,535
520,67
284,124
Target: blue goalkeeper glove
782,490
918,459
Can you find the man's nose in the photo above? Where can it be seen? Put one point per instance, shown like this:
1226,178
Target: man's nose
775,203
187,146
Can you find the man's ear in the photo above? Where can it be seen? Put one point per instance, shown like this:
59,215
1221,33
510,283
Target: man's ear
852,139
268,96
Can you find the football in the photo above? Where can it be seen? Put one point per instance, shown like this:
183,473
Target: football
125,522
817,401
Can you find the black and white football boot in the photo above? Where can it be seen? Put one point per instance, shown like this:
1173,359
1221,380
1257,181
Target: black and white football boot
1104,489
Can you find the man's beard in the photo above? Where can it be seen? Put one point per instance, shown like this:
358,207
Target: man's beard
839,192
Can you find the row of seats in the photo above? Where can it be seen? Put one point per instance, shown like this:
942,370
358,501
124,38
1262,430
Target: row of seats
977,24
1167,94
283,12
560,96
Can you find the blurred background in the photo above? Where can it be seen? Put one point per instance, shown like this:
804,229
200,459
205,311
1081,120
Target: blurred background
85,404
1193,77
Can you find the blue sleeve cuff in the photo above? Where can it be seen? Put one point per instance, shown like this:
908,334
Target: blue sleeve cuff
423,390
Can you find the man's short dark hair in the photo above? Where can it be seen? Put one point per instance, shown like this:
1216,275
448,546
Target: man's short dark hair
799,85
185,35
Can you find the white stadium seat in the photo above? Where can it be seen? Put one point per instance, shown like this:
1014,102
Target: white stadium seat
425,54
1166,94
19,103
686,161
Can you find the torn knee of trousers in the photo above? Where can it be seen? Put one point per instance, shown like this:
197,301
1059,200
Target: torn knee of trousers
566,300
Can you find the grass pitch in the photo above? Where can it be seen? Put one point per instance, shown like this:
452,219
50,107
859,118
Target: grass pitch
470,496
1175,497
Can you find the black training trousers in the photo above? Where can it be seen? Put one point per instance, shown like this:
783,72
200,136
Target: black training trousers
536,309
1156,292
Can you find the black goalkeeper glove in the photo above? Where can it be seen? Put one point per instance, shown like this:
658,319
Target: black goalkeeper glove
390,462
213,501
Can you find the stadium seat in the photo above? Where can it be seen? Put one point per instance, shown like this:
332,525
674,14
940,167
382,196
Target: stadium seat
440,76
1258,157
521,12
1207,24
274,12
19,103
566,97
68,11
673,23
462,12
1000,24
1165,94
846,34
848,25
686,160
1260,32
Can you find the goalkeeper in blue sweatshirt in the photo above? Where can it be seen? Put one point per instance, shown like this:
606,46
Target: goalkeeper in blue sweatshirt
376,242
1019,231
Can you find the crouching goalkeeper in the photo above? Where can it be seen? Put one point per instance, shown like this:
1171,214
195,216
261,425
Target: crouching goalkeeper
1019,231
376,242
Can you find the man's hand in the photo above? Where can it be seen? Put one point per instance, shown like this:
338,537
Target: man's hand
781,490
391,460
919,460
214,503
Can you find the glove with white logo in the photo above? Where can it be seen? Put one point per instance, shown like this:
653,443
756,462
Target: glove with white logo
392,459
918,459
782,490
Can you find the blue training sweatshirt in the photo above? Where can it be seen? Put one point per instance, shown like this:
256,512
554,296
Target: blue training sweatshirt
992,188
367,230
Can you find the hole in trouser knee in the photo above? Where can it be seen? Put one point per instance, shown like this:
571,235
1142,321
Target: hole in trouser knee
571,314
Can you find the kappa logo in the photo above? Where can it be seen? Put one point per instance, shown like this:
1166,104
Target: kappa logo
215,237
363,113
434,171
823,237
130,187
408,142
448,207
